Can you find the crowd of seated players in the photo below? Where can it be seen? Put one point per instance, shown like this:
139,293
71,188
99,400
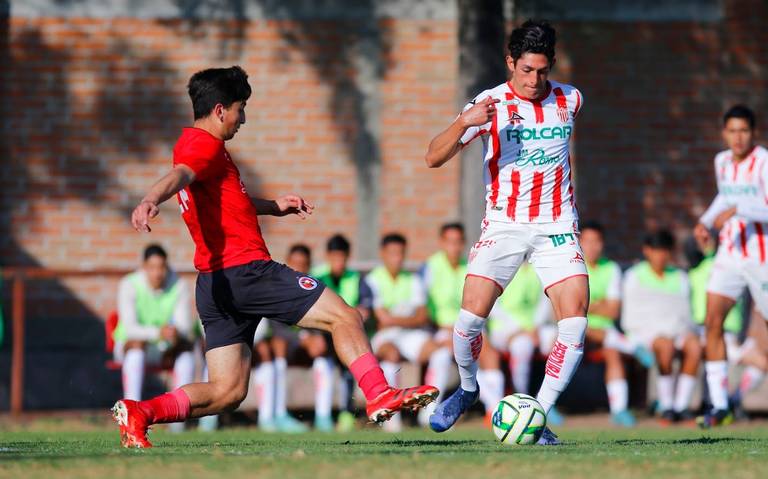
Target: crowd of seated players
651,314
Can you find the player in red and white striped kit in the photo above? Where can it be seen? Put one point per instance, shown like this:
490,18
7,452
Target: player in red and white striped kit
740,212
525,125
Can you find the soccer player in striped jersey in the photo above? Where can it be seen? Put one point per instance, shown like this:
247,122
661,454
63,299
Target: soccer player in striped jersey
525,125
740,212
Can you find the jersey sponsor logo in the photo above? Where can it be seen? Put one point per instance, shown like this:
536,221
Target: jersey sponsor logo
535,157
556,359
577,258
738,190
305,282
547,133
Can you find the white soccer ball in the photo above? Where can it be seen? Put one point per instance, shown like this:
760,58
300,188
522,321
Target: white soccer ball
518,419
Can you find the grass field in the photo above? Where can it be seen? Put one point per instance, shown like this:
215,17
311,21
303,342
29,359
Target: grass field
51,450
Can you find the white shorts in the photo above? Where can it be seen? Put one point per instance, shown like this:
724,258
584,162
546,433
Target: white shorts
552,248
262,331
731,276
153,352
647,339
409,342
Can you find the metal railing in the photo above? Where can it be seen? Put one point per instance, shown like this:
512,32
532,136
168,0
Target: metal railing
17,277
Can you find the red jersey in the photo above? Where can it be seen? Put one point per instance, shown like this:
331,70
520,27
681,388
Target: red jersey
216,207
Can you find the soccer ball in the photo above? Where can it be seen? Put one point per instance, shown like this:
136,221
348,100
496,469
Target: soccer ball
519,419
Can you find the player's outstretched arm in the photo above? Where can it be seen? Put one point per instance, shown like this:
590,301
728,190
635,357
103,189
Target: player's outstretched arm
176,180
284,206
444,146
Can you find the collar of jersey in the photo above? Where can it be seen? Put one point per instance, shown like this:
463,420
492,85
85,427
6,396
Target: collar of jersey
538,100
730,158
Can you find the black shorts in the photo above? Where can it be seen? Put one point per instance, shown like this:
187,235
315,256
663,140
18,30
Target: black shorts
232,301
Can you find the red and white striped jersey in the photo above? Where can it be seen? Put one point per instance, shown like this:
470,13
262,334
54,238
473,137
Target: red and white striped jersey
743,185
527,156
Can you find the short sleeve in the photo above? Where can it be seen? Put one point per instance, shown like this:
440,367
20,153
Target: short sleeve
202,157
579,102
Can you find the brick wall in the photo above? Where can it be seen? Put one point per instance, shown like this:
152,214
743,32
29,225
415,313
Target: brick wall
92,106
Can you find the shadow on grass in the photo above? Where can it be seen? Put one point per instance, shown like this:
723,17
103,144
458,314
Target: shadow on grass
704,441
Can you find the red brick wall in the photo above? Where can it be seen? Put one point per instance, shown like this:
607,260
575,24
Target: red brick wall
94,107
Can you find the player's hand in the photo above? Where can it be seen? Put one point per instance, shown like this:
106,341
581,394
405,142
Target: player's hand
723,217
293,205
481,113
701,234
145,211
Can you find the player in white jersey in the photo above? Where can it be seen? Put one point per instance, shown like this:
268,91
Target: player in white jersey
740,212
525,125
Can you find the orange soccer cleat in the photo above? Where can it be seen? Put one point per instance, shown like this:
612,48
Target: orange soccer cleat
133,424
393,400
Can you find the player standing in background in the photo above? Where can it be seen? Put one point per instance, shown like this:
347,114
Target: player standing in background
749,354
238,283
604,310
740,212
525,125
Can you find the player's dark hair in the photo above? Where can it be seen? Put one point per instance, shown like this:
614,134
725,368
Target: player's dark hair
452,226
393,238
533,36
338,242
743,112
154,250
300,248
660,239
217,85
592,225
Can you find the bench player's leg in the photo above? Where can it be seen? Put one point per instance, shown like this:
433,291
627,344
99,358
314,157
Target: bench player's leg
331,314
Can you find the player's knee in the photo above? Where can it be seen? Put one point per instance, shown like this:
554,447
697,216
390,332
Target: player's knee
388,352
611,356
232,398
468,324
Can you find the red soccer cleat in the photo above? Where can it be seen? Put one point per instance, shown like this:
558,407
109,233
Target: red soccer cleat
393,400
133,424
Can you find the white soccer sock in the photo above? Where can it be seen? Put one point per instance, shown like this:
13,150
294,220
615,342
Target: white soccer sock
438,370
183,369
618,395
521,352
281,374
751,379
563,360
390,370
323,372
665,390
547,336
615,340
133,373
717,383
265,385
467,343
685,386
491,382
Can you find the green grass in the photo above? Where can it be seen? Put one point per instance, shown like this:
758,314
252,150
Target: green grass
472,453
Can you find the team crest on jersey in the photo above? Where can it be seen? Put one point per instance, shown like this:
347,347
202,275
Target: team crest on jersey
563,114
305,282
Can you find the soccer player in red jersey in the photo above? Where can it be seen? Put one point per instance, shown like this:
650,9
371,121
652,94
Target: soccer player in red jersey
238,283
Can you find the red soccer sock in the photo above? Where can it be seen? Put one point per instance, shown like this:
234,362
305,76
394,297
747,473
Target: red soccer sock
169,407
369,376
